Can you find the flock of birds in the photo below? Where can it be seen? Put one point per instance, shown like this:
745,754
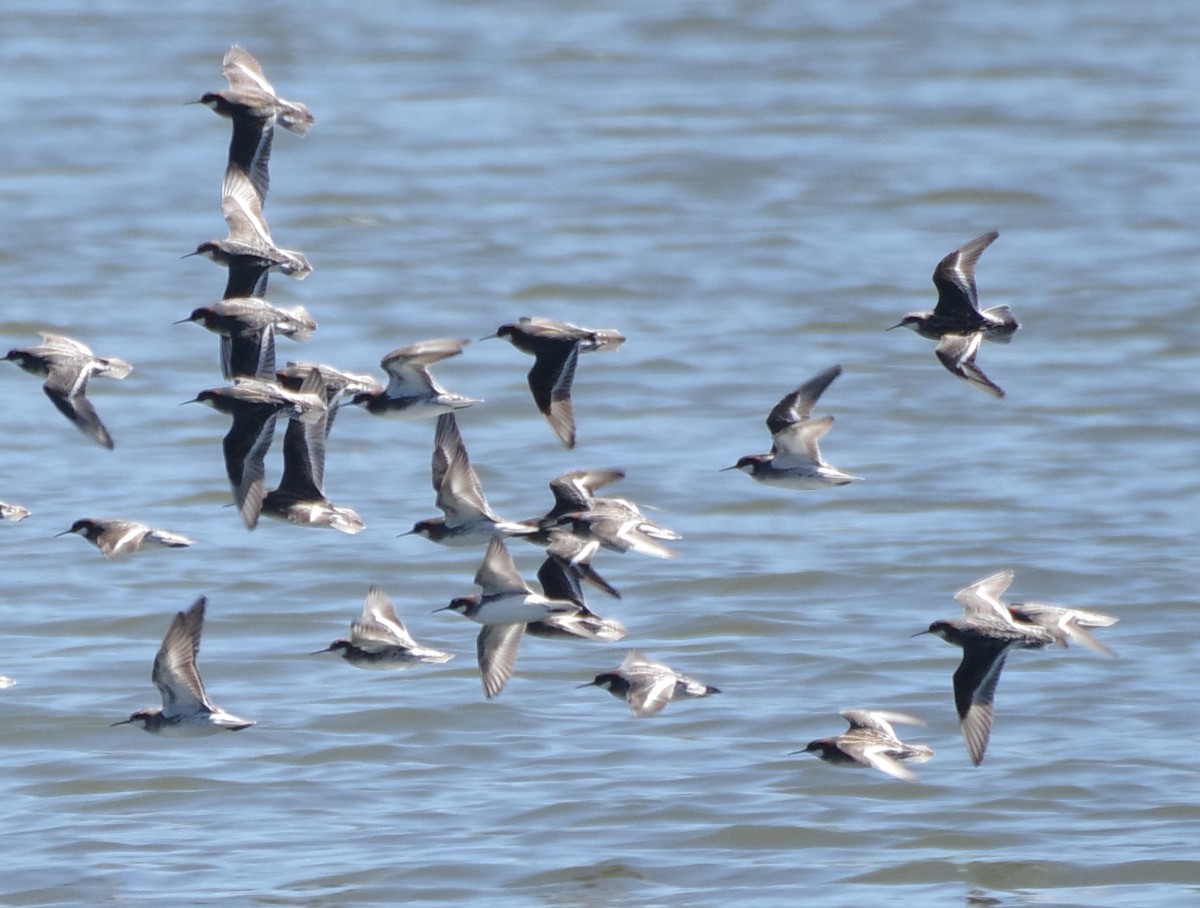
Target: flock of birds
581,521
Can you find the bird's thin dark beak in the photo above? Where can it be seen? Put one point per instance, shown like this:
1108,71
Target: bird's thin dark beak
919,633
63,533
726,469
897,325
122,722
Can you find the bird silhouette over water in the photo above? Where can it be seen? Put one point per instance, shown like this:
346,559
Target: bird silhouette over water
67,365
956,322
123,537
986,632
248,252
254,108
186,709
412,392
646,686
871,741
247,327
504,606
555,347
379,640
795,461
467,518
254,406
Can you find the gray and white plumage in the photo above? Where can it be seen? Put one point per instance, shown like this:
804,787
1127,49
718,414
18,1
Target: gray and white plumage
648,686
186,709
795,460
379,640
504,606
248,251
333,385
300,497
13,513
986,633
412,392
467,518
124,537
67,366
253,107
1066,625
247,327
254,406
620,526
871,741
555,347
561,575
957,322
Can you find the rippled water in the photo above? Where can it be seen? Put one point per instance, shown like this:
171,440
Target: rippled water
750,192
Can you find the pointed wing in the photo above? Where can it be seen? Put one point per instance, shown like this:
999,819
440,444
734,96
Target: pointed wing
798,405
249,353
982,598
245,449
380,625
498,573
496,648
174,672
954,278
243,71
875,755
66,386
459,494
408,367
974,690
304,459
575,491
242,208
550,381
957,353
250,150
651,688
799,443
560,580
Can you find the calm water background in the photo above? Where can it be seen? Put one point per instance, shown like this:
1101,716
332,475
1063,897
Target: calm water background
750,192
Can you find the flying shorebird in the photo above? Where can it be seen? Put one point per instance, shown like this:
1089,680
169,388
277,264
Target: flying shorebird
871,741
67,365
412,392
504,606
795,460
956,322
555,347
648,686
247,327
300,497
379,640
186,709
332,385
13,513
561,576
468,519
123,537
248,251
620,526
254,108
254,406
986,632
1066,625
